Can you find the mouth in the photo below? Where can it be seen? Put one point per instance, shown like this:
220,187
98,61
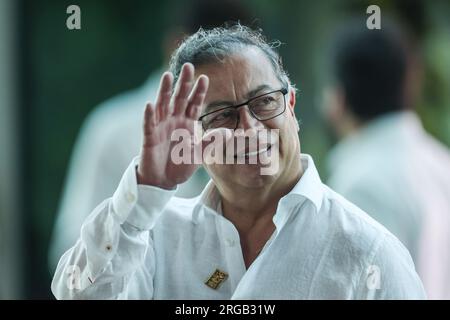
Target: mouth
256,153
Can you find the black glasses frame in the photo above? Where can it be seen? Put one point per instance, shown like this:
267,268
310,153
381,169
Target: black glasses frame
284,91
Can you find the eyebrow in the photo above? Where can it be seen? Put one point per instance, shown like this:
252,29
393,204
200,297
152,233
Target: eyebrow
223,103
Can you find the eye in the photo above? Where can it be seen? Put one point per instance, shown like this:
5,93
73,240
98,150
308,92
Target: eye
267,99
263,101
224,115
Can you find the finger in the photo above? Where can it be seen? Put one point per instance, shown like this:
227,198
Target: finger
162,105
197,97
183,88
149,119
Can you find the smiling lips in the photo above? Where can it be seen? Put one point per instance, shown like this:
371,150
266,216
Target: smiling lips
247,154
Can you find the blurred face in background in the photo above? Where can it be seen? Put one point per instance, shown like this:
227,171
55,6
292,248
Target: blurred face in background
375,73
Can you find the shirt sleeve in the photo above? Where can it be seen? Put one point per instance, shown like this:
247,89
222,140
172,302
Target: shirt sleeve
390,274
113,244
91,178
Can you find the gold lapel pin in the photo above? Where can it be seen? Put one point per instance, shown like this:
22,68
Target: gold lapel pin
216,279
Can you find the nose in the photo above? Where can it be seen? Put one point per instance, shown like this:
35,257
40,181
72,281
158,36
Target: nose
246,119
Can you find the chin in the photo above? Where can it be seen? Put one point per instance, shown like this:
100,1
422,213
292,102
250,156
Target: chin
244,175
249,175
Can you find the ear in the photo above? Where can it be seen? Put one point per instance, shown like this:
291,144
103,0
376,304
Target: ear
336,112
333,104
291,101
291,105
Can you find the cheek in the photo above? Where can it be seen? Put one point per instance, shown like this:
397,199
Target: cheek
277,122
288,135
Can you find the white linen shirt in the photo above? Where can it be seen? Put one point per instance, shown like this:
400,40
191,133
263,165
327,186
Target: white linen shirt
143,243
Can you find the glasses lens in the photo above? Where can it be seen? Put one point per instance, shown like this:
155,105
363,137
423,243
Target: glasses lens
267,106
225,118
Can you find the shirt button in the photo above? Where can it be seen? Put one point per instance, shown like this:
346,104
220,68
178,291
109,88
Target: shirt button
230,242
130,197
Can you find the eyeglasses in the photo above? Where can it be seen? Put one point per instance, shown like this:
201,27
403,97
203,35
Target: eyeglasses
264,107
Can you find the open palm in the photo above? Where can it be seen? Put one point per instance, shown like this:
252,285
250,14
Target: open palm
174,111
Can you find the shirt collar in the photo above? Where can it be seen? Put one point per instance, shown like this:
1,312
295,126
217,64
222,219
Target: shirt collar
309,187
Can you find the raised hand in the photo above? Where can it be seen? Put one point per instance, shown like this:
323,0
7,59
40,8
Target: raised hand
174,111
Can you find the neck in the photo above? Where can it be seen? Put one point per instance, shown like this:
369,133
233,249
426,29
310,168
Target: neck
259,205
349,124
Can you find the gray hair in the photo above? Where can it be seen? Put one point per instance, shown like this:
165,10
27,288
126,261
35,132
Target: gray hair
214,45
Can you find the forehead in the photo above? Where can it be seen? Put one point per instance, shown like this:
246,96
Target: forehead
234,77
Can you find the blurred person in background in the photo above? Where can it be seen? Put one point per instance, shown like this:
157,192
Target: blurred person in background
385,162
111,136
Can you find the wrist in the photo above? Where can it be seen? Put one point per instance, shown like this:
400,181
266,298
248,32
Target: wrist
143,180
